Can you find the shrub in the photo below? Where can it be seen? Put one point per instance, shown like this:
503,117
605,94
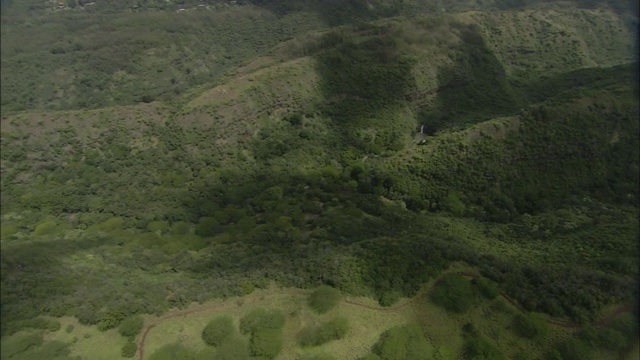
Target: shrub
206,226
613,340
45,228
217,330
453,293
574,349
389,298
111,224
49,350
131,327
8,230
233,348
402,342
266,343
324,298
180,228
173,352
69,328
488,288
530,325
477,347
334,329
107,322
626,324
259,319
18,344
129,350
161,226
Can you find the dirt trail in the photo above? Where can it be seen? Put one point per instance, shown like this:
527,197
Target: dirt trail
602,321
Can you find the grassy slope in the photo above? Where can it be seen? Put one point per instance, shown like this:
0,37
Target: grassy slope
367,320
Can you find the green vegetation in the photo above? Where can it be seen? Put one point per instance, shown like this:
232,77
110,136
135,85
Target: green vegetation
574,349
261,319
266,343
454,293
32,347
402,342
530,325
476,346
173,351
488,288
131,327
205,153
218,330
324,298
333,329
235,348
129,350
265,327
617,337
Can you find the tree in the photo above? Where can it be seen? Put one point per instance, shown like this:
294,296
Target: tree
530,325
266,343
260,319
334,329
324,298
453,204
233,348
129,350
131,327
402,342
574,349
488,288
454,293
217,330
207,226
478,348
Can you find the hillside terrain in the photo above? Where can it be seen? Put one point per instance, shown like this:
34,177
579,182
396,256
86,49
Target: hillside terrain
158,154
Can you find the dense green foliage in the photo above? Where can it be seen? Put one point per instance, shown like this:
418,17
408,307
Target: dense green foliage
265,328
333,329
131,327
218,330
454,293
36,324
530,325
234,348
266,343
261,319
129,350
617,337
324,299
31,347
478,347
403,342
487,288
574,349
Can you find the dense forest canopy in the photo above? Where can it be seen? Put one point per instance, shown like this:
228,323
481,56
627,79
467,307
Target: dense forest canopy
160,153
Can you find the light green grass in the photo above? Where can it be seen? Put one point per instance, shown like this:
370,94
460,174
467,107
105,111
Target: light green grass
98,346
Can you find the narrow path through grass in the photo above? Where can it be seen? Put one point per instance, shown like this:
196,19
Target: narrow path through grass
602,321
